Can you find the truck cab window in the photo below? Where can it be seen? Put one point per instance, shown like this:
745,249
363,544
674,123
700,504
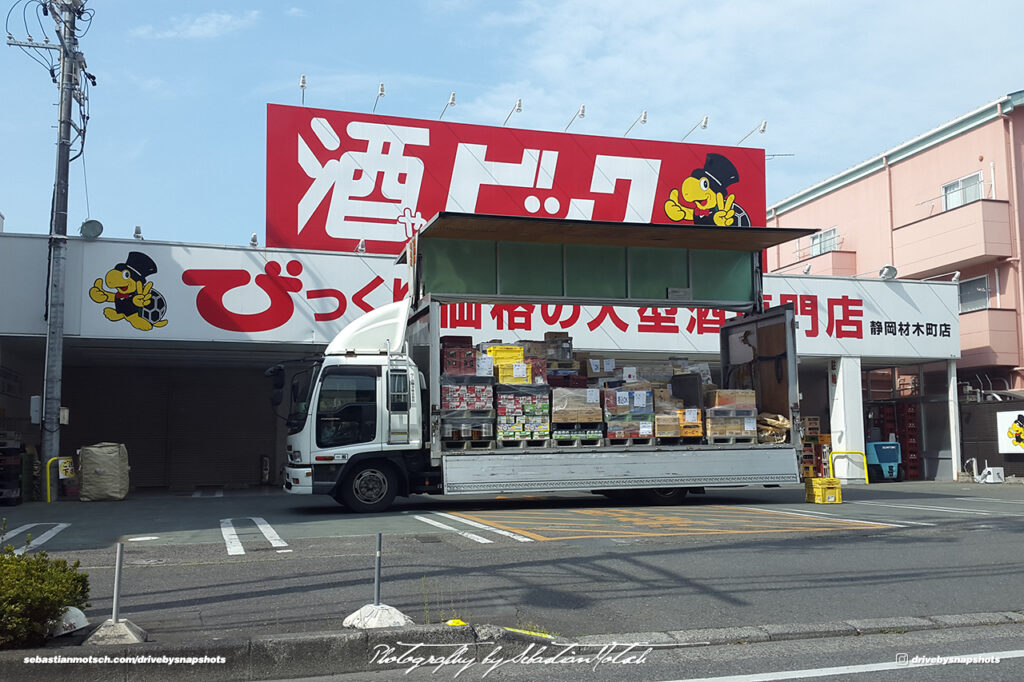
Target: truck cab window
346,410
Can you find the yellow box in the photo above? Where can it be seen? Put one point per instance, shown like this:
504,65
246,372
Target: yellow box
823,491
506,370
503,354
825,438
691,430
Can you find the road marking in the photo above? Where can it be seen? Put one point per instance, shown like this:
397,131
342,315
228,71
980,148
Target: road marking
35,542
837,518
215,493
990,499
853,669
234,545
808,511
463,533
499,531
947,510
144,538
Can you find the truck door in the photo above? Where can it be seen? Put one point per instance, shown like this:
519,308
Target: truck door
758,351
346,411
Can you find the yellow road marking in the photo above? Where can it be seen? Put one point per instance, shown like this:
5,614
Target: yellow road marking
546,525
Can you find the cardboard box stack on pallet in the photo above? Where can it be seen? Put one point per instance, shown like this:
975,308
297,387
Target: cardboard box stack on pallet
541,393
576,416
524,413
731,416
813,457
467,395
629,411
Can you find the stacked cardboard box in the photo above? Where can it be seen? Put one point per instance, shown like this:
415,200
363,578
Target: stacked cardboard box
596,366
731,413
666,413
576,406
558,346
741,398
467,393
732,427
629,411
524,412
458,357
630,426
628,399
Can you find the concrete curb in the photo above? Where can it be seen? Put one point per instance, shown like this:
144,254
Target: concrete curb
332,653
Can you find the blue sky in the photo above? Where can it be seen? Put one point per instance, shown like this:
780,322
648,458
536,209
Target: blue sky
176,140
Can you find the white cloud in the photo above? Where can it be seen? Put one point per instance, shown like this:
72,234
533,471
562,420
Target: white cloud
296,12
201,27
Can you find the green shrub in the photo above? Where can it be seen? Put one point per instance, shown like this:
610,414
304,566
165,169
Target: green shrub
34,590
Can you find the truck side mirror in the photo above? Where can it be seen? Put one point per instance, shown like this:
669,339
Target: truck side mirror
277,374
276,396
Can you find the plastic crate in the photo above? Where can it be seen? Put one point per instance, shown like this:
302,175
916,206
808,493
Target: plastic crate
823,491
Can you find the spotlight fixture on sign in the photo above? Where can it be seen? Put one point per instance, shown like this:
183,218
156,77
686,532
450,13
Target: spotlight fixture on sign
759,129
702,125
451,103
517,109
138,232
380,93
361,246
887,272
582,113
302,87
641,119
254,241
91,229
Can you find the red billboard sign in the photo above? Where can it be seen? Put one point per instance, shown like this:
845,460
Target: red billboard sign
335,179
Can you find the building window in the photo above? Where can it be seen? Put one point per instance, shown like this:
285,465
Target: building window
825,241
962,191
974,294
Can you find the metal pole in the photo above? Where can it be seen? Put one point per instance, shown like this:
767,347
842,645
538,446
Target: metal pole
376,573
58,241
117,581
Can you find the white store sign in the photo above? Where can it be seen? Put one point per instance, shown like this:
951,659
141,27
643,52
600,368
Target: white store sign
129,289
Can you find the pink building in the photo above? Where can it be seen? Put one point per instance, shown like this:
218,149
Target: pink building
948,204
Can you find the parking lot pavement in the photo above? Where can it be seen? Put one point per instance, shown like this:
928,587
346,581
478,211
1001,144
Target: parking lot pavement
239,522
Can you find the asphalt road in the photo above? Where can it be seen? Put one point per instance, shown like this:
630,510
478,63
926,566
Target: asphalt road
950,655
263,562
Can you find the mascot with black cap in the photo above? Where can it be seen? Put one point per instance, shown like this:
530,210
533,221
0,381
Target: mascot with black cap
704,199
134,298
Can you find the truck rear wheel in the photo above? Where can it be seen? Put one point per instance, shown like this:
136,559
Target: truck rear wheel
662,497
369,487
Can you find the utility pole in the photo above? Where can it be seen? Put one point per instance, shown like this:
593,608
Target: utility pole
71,63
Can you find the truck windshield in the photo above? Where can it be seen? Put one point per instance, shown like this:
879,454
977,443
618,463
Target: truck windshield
301,393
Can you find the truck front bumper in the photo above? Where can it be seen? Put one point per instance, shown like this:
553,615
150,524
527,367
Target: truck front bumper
298,480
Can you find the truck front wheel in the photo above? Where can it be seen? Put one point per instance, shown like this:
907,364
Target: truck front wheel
369,487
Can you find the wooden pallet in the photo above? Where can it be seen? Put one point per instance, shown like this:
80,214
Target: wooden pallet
577,442
731,440
626,442
467,444
526,444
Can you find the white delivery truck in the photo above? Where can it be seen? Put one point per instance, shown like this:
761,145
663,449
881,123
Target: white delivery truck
365,420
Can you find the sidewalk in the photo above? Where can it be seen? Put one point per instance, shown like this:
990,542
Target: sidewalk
333,653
